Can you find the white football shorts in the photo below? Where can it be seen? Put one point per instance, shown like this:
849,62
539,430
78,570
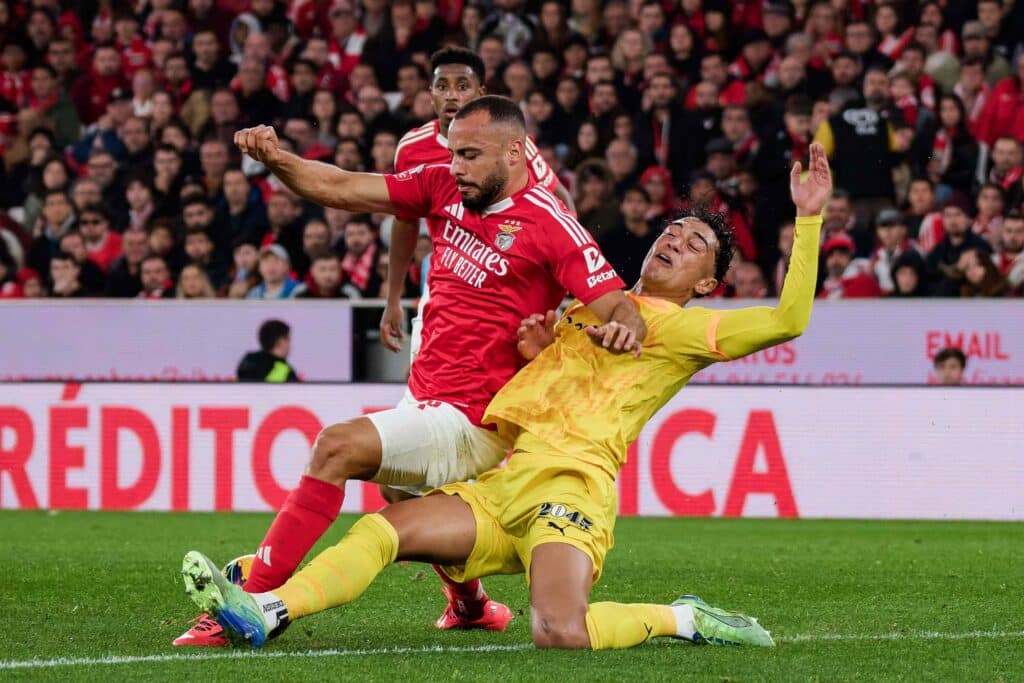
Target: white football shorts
427,444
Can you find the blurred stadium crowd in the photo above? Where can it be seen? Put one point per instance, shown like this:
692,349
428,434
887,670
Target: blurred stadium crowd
120,178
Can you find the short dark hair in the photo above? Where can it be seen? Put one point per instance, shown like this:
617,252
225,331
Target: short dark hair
55,190
361,219
194,199
154,257
98,209
63,256
462,56
719,225
500,109
421,73
271,332
799,105
322,254
950,352
47,68
638,189
199,230
915,47
302,61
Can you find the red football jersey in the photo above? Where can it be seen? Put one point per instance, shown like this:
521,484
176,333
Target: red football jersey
490,270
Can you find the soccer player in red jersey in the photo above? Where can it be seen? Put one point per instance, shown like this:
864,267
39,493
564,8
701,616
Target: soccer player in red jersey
458,76
504,248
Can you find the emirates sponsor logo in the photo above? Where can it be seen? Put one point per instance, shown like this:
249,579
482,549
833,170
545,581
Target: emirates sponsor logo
469,257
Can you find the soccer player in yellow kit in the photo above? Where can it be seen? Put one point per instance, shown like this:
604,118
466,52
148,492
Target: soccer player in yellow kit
572,411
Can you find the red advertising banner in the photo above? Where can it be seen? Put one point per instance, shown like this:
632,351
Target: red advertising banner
843,452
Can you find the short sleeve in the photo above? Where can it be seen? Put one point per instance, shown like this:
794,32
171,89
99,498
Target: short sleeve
413,191
576,260
541,172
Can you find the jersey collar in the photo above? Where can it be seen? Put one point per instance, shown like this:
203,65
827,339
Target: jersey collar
441,139
498,207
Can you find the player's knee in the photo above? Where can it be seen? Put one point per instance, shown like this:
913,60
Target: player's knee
558,632
336,454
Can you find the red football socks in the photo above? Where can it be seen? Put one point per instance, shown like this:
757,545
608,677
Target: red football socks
307,513
467,598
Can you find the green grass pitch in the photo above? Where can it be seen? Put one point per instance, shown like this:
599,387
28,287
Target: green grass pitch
848,601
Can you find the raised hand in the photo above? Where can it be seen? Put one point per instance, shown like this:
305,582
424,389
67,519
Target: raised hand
811,194
535,334
259,142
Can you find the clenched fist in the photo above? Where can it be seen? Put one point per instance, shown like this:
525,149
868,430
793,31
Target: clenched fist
259,142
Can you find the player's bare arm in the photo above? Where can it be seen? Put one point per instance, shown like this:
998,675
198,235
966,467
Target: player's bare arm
624,328
744,331
403,244
315,181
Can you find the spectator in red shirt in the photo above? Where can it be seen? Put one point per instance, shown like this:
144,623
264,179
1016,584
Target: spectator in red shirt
990,205
713,70
14,79
102,243
359,263
1007,171
1004,112
973,91
91,92
845,276
135,53
911,62
156,278
325,276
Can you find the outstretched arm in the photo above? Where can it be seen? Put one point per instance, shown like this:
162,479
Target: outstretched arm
315,181
744,331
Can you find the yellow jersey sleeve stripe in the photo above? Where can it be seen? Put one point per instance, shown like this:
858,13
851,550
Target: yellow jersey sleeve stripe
712,335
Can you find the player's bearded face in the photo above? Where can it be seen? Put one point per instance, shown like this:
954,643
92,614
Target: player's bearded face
682,260
477,196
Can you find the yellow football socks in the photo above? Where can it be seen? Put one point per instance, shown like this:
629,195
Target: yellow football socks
341,573
614,625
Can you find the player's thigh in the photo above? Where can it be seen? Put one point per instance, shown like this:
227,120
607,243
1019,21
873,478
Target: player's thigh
439,529
346,450
427,444
561,576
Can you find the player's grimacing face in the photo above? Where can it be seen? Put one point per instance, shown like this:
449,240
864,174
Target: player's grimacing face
682,260
481,155
454,86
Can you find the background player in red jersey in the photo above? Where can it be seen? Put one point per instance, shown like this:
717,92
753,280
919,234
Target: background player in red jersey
458,77
504,248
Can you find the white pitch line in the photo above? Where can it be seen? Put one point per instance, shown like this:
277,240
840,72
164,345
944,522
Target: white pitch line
440,649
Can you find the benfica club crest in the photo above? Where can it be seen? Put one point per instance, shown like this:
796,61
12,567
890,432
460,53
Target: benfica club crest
506,235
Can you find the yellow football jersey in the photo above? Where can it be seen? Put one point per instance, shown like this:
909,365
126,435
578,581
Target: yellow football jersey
586,402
